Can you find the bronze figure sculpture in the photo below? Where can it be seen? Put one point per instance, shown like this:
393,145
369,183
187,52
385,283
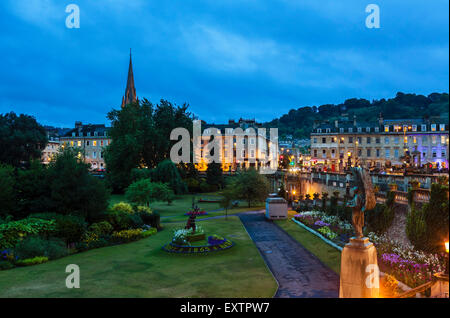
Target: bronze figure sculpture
363,198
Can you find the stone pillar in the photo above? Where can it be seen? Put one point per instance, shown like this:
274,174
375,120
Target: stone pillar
440,288
360,275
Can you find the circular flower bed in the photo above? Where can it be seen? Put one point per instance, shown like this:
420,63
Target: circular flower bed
197,213
215,244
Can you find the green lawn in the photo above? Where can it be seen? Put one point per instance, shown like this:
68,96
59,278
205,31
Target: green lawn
326,253
142,269
183,203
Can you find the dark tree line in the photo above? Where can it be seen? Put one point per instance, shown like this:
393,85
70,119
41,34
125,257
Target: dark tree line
298,122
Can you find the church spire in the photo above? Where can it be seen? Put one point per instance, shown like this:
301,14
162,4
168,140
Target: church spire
130,90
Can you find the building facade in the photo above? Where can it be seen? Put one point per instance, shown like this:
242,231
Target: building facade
51,149
90,141
247,147
382,144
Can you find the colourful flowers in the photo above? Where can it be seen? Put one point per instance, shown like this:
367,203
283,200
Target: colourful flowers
407,264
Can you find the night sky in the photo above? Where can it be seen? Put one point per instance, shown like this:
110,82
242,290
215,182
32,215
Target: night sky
226,58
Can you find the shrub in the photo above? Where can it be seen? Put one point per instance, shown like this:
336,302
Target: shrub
379,219
428,227
119,216
13,232
149,232
33,246
127,235
70,228
4,265
148,216
101,228
32,261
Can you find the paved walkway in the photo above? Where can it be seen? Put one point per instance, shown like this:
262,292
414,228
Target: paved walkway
298,272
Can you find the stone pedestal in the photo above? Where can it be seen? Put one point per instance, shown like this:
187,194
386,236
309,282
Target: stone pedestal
360,275
440,288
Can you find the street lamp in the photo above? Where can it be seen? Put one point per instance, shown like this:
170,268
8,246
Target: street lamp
446,258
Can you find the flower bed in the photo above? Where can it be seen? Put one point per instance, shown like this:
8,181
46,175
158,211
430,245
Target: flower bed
197,213
182,244
203,249
331,227
405,263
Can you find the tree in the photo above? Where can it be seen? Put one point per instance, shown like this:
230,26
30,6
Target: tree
140,192
214,174
167,172
140,136
33,188
250,186
7,193
73,189
21,139
227,200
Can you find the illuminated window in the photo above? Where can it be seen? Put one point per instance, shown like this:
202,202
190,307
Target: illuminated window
71,143
94,143
79,143
443,139
433,127
433,139
386,128
333,139
414,140
442,127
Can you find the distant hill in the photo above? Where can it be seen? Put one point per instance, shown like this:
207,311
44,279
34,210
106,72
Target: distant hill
299,122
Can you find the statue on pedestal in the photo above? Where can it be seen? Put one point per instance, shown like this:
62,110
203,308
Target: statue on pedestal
363,198
191,220
359,267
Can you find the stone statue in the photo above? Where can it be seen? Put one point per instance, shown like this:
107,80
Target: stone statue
363,198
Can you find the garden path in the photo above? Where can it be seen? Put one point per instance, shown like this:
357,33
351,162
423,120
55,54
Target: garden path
299,273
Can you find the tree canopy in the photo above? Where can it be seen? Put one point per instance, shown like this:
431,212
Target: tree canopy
22,139
140,136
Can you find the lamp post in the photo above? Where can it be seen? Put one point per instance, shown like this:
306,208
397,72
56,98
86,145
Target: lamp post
349,163
446,259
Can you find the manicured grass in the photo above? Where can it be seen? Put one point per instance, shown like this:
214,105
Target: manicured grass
142,269
183,204
326,253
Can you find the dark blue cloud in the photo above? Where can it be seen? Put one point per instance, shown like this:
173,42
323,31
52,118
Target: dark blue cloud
226,58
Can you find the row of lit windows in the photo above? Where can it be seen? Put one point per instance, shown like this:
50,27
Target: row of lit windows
396,128
88,134
377,153
423,127
377,140
95,143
